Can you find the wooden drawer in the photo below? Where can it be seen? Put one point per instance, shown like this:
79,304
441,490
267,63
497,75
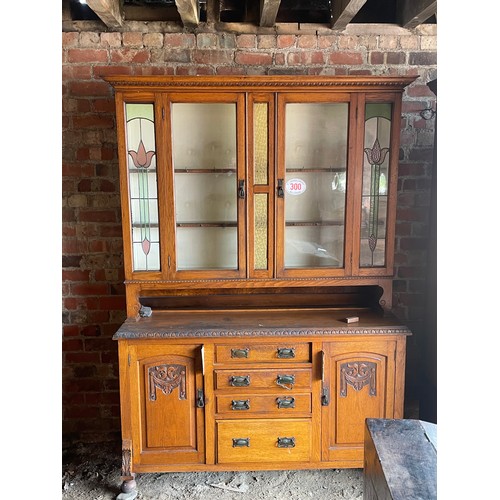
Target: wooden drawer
282,378
264,440
263,353
251,404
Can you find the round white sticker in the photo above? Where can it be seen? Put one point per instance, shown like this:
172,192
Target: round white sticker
295,186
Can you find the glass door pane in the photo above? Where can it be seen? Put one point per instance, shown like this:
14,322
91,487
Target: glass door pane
205,181
375,183
314,187
143,192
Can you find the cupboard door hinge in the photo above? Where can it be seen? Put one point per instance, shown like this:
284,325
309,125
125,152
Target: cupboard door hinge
128,360
168,262
163,113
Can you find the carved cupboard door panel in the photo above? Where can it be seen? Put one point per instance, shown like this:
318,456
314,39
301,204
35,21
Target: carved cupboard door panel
358,383
167,404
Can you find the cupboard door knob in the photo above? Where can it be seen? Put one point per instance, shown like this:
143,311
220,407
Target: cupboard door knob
286,442
239,381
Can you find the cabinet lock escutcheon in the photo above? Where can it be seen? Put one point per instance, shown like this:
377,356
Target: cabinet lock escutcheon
240,353
239,380
325,397
286,442
240,404
285,352
285,381
200,399
241,442
285,402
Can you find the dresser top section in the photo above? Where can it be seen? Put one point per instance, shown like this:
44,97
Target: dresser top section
261,322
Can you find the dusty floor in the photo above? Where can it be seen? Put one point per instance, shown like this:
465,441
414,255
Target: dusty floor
93,473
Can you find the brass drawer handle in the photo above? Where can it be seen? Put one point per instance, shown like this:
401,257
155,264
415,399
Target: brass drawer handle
240,353
285,402
240,404
239,381
285,381
241,442
286,352
286,442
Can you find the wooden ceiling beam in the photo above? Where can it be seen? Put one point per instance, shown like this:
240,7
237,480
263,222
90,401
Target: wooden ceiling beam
344,11
109,11
268,12
411,13
189,10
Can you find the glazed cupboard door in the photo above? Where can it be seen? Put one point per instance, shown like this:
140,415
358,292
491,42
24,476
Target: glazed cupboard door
314,205
166,404
376,184
206,192
358,383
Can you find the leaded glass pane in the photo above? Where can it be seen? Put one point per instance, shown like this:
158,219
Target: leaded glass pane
141,162
375,184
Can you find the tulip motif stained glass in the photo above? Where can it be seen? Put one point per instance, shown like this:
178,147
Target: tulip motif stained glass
375,177
141,156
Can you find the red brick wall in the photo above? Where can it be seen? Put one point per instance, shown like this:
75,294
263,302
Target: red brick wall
93,300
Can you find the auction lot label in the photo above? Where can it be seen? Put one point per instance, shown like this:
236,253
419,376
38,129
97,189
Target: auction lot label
295,186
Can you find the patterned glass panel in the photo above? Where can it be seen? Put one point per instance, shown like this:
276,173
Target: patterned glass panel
315,184
141,158
375,180
260,210
260,134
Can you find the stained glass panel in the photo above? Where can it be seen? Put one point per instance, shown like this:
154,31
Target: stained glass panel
141,161
375,184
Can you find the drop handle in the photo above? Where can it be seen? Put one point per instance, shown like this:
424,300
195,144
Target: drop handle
239,381
285,402
241,189
285,381
280,191
240,404
241,442
240,353
285,442
285,352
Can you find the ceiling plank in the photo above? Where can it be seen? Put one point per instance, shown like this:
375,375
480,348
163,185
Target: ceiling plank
344,11
189,11
411,13
268,12
109,11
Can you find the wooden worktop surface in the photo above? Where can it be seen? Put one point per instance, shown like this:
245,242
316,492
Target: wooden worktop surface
260,322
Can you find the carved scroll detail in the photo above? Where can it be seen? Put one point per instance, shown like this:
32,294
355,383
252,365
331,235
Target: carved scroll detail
126,459
357,375
167,378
